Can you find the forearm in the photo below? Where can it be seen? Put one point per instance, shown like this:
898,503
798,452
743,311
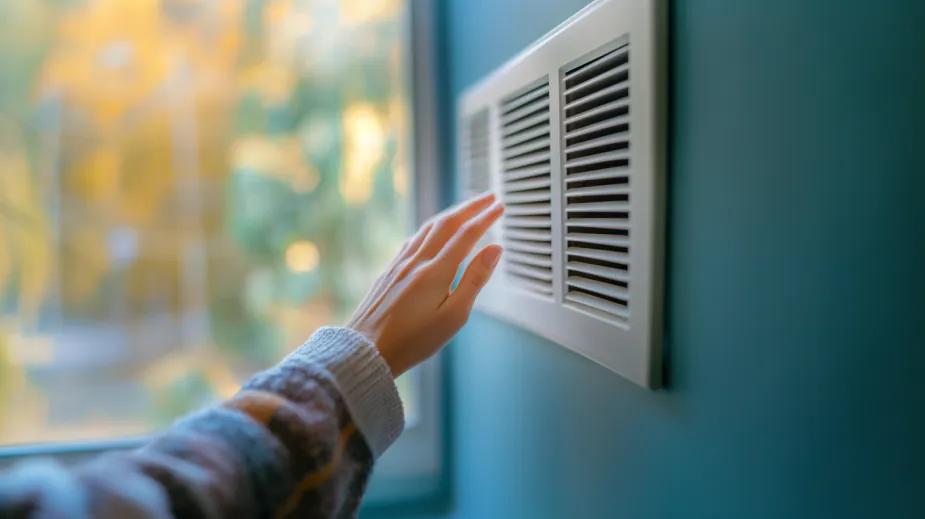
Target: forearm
299,439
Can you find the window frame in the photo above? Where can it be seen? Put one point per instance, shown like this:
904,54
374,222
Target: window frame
415,473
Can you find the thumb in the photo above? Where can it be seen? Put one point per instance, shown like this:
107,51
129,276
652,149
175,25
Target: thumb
475,277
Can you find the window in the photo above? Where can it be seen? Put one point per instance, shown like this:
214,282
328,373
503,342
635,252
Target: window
187,190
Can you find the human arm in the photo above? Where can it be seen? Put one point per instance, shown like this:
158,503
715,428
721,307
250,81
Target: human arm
299,439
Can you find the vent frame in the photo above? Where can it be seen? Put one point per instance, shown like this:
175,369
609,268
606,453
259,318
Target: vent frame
630,347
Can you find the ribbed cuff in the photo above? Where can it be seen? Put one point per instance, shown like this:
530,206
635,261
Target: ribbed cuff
365,382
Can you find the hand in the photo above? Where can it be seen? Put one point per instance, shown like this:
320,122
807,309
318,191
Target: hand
410,312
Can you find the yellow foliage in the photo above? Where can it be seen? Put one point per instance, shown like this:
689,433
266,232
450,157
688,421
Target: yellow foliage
364,146
95,178
157,273
176,365
277,157
365,11
145,96
273,82
34,268
134,74
84,263
24,237
285,23
147,172
112,54
6,258
11,376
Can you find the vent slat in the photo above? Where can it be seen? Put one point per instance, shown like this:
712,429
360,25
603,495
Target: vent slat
597,207
605,125
526,124
525,110
528,97
530,146
597,270
536,260
618,91
602,255
612,173
527,185
539,131
528,209
610,75
597,159
607,140
597,191
537,222
611,240
526,198
604,190
600,223
620,105
598,287
537,273
532,171
596,67
539,287
530,247
597,305
537,236
528,160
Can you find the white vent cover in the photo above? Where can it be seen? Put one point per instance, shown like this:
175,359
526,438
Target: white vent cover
570,134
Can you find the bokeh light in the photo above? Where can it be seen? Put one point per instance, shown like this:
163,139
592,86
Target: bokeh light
302,257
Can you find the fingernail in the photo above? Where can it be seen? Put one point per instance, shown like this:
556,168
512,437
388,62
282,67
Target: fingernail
491,257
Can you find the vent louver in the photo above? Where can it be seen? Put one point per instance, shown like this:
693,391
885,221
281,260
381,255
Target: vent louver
578,152
526,187
475,154
597,182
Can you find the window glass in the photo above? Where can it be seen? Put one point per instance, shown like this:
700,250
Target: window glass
188,188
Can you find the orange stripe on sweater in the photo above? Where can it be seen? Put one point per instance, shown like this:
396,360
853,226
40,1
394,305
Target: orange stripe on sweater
317,478
259,405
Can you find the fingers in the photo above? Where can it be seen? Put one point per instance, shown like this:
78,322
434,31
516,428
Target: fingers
412,247
474,279
465,239
408,249
447,223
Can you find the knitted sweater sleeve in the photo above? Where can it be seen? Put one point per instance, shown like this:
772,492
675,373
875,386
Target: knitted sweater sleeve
298,440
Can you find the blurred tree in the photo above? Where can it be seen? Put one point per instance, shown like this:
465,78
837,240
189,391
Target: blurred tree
241,162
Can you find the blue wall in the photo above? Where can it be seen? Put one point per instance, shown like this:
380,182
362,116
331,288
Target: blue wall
796,302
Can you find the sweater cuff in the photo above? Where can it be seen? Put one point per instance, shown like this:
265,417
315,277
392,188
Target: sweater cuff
365,382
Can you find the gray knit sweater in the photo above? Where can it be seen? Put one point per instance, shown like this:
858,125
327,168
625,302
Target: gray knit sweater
297,441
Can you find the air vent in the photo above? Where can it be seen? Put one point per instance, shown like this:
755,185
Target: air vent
526,187
576,151
596,168
475,154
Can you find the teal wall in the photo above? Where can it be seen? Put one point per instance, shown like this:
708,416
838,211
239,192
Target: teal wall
795,302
